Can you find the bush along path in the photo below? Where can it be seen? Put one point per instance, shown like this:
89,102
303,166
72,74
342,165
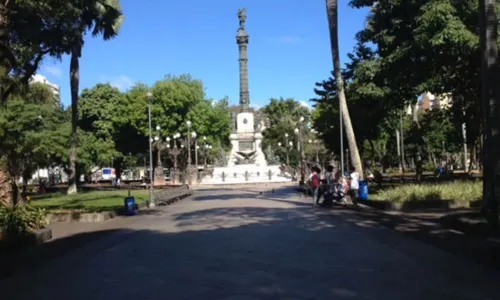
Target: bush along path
457,202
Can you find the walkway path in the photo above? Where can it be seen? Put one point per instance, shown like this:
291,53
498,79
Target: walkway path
236,243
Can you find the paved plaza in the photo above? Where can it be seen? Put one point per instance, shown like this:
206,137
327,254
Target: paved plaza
250,243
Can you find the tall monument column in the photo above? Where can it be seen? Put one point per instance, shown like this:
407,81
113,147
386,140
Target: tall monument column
242,41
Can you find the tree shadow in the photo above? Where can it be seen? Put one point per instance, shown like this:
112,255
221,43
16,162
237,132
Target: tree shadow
276,194
253,252
428,227
470,221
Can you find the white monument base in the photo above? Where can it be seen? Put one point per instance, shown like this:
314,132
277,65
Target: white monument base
246,162
246,174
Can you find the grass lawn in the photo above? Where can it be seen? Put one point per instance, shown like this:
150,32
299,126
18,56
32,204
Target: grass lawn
457,190
88,201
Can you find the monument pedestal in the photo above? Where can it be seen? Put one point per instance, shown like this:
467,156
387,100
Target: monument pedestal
246,143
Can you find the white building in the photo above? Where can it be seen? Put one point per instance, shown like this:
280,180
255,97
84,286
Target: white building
430,101
51,174
37,78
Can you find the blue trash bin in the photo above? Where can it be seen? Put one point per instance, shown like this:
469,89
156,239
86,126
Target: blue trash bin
363,190
130,206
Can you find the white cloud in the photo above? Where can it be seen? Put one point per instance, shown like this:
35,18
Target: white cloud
120,82
53,70
286,39
305,104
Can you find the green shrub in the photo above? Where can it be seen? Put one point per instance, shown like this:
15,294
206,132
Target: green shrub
19,220
459,190
429,167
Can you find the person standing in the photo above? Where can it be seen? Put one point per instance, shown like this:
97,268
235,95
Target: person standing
315,185
354,188
329,175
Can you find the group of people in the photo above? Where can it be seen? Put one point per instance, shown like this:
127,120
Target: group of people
349,184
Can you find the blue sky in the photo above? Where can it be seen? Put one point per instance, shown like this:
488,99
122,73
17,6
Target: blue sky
289,47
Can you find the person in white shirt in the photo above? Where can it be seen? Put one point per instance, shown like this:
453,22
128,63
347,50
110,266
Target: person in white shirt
354,188
329,177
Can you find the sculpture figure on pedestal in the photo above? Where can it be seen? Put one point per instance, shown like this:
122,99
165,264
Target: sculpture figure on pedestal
242,17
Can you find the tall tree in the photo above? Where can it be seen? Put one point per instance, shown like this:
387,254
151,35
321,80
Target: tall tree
491,108
28,134
30,30
99,118
101,17
282,117
173,98
428,46
332,13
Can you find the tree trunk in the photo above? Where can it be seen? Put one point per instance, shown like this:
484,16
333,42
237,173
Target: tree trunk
419,145
490,106
372,149
6,62
74,82
434,160
479,155
16,199
5,188
429,156
25,185
7,58
332,13
472,157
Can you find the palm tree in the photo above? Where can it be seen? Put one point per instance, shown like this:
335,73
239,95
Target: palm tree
332,13
490,105
102,17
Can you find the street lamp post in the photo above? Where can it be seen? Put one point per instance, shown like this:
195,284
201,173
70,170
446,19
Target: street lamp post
151,202
196,147
159,176
300,146
286,147
314,143
205,157
317,151
205,149
189,171
194,135
174,151
348,168
188,123
157,142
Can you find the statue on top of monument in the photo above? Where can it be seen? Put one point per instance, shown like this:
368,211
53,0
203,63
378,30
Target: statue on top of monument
242,16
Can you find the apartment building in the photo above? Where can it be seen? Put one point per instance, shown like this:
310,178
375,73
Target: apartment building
430,101
37,78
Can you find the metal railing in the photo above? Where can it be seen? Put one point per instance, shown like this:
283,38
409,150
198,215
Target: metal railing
246,175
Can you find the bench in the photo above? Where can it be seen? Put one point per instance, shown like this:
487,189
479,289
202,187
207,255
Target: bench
171,195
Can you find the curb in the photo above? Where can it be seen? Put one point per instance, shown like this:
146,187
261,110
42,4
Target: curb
99,217
411,206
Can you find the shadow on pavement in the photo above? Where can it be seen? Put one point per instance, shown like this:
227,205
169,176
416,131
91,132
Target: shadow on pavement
280,194
427,228
252,252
